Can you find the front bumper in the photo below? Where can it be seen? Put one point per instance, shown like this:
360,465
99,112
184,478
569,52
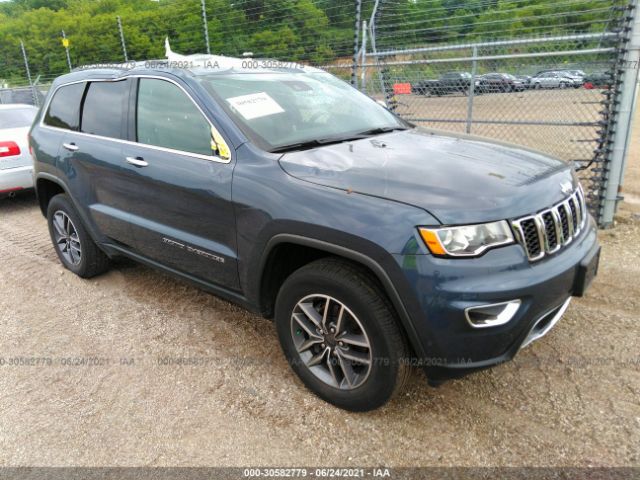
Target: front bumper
13,179
442,289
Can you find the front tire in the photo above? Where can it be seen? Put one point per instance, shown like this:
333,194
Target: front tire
73,245
340,335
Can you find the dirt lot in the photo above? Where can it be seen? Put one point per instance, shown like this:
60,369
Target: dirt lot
571,399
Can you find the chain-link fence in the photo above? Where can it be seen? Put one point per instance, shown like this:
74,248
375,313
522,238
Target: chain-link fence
564,94
552,75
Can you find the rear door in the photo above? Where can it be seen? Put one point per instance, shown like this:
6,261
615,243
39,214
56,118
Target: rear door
92,159
182,214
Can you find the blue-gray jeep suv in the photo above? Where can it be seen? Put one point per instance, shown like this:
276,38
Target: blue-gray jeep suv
375,245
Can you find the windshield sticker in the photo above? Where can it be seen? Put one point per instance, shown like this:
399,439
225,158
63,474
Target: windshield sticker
255,105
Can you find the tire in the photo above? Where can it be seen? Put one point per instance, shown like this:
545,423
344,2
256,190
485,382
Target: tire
73,245
537,86
563,85
368,318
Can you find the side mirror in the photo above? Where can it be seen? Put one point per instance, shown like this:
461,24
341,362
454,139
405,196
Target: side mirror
218,146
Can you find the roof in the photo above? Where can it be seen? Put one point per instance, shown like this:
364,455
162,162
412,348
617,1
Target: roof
190,65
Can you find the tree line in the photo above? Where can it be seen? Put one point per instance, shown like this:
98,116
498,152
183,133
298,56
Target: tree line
315,31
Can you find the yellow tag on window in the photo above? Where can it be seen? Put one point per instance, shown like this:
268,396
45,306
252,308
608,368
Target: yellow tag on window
218,143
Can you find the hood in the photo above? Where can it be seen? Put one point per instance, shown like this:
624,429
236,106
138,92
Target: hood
456,179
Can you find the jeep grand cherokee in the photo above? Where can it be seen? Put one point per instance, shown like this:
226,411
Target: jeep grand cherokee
374,245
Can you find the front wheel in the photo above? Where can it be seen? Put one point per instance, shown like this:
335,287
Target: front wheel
340,335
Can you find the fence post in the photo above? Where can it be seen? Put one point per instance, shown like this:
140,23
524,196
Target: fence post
356,42
625,101
122,42
205,26
65,44
363,61
36,100
472,88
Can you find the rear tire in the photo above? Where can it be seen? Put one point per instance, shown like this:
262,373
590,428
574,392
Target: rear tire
310,304
73,245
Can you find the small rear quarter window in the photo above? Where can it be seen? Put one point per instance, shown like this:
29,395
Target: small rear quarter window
64,110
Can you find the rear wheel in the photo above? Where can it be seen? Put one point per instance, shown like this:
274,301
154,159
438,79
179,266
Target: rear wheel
341,336
74,247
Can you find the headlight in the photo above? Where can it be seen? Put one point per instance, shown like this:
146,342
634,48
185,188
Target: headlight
466,241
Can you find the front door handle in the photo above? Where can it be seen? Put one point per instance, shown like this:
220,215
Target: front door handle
72,147
138,162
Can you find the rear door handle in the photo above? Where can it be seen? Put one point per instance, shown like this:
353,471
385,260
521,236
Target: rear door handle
72,147
138,162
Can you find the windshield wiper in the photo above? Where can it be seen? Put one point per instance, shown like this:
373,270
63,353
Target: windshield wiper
378,131
311,144
332,140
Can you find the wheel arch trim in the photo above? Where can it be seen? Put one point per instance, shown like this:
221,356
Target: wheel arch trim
53,179
365,260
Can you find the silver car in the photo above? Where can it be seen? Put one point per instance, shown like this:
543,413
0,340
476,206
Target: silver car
551,80
16,163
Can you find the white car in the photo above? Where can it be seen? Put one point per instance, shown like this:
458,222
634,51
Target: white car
16,163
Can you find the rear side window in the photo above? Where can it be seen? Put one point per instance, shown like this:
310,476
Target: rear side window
168,118
103,110
64,110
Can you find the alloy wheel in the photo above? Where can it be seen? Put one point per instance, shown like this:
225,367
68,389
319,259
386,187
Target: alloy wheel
66,237
331,341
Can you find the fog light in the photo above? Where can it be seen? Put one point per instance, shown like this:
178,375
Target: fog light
484,316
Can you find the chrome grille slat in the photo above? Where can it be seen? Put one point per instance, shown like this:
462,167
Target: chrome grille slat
550,230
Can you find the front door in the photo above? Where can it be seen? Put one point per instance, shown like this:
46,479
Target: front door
181,210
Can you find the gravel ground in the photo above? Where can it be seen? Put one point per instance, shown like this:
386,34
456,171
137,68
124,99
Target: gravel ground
98,380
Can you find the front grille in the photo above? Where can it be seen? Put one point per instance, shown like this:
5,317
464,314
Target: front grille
552,229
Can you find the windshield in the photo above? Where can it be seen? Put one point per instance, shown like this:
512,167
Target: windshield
277,110
17,117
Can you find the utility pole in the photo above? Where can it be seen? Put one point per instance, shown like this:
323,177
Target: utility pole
122,42
363,59
472,86
65,44
36,100
205,26
356,45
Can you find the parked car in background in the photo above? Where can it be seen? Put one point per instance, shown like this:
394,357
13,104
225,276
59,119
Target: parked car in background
16,164
499,82
452,82
576,79
551,80
576,73
525,79
598,80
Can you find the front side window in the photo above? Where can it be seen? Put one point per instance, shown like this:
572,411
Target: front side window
167,117
64,110
103,110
